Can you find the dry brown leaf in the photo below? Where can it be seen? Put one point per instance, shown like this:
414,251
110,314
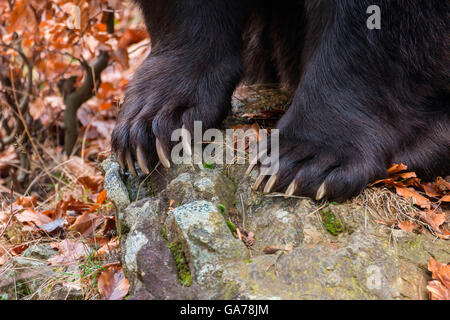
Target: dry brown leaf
443,184
37,108
32,217
69,252
407,225
4,256
438,291
440,272
410,193
407,175
79,168
434,219
26,202
7,158
445,198
17,250
112,246
396,168
3,259
431,189
4,216
112,284
93,183
86,224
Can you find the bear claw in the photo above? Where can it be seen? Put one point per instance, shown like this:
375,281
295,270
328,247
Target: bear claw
321,192
130,164
162,154
269,185
291,189
142,160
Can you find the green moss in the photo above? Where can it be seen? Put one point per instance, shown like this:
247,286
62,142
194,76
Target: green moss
208,165
164,233
231,226
331,223
184,274
222,208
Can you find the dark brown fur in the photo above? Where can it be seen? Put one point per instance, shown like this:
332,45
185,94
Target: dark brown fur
364,99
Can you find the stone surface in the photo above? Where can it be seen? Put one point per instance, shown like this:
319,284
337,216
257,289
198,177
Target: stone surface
182,235
30,277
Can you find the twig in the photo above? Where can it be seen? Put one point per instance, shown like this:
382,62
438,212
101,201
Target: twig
11,197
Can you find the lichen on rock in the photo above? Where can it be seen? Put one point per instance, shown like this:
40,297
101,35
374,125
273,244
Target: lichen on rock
178,243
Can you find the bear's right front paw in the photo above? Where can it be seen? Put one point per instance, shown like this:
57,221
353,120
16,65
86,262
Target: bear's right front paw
158,104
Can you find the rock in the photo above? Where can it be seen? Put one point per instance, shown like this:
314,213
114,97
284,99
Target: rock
208,241
117,190
178,243
29,276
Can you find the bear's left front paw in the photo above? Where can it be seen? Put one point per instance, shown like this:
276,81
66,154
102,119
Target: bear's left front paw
321,171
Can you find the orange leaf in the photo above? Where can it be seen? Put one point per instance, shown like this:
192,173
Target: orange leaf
26,202
443,184
438,291
396,168
431,189
435,220
445,198
410,193
112,284
101,198
440,272
407,225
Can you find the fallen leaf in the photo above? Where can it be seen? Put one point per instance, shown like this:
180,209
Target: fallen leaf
434,219
7,158
79,168
445,198
410,193
440,272
407,225
3,259
108,248
93,183
112,284
86,224
443,184
17,250
37,108
438,291
69,252
26,202
101,198
431,190
32,217
396,168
